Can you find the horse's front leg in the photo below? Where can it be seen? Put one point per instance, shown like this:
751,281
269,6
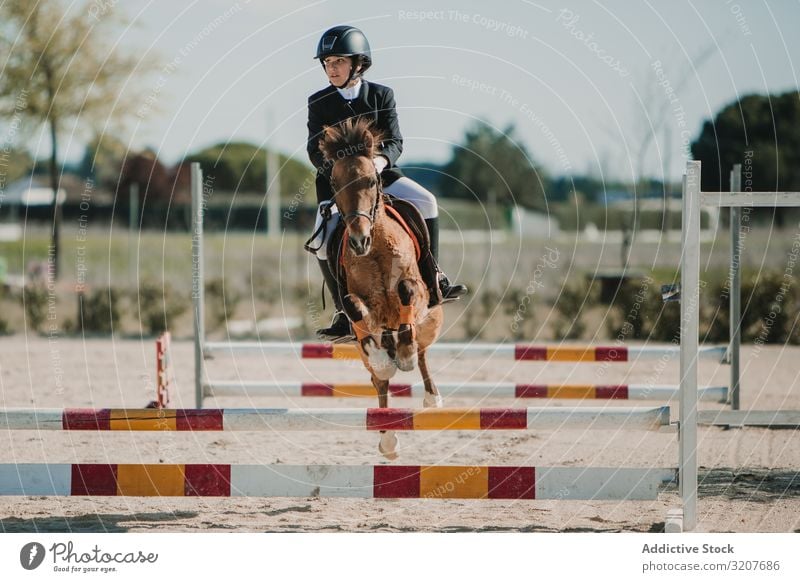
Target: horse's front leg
432,398
376,357
406,330
388,443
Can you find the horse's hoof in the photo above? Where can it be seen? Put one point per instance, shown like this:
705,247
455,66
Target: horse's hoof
432,401
390,456
388,445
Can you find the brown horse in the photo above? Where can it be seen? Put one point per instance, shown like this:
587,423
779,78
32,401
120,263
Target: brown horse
387,300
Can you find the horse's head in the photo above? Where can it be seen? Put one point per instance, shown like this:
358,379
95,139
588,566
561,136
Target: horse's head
349,147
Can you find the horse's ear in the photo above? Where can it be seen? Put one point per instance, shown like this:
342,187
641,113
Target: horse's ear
371,138
327,143
369,141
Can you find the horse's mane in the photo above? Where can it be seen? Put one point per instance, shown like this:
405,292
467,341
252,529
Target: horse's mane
350,138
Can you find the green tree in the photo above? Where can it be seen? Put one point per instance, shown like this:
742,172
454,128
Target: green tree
490,165
241,167
760,129
63,62
14,164
102,160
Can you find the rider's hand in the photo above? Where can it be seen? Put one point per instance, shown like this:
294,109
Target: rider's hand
380,163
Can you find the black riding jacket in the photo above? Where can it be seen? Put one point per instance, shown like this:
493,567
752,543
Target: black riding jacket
374,102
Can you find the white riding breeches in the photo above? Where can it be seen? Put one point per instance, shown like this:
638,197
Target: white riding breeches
408,190
403,188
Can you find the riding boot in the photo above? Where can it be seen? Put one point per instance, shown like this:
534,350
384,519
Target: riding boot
450,291
339,330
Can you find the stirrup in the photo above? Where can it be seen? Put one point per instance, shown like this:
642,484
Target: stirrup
340,330
450,292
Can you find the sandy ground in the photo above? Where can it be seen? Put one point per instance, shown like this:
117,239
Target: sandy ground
750,479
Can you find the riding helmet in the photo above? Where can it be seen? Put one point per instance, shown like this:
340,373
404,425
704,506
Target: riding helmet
347,41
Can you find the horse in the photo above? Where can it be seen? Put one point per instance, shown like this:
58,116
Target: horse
387,300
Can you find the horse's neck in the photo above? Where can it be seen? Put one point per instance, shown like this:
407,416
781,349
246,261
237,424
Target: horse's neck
380,214
385,230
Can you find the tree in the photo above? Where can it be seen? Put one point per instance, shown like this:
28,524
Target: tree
63,61
241,167
102,161
760,131
14,164
491,163
152,177
653,114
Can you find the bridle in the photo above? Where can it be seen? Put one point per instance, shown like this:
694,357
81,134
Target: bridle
360,213
326,214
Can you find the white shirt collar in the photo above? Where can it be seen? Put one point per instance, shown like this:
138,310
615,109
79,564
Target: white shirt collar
350,93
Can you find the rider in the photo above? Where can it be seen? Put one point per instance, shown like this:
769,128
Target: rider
344,54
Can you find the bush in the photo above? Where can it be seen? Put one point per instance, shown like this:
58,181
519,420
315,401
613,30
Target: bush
570,307
34,299
221,303
477,312
768,308
636,310
158,306
5,328
519,306
667,326
98,311
265,286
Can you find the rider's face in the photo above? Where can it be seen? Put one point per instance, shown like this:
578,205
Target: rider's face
337,68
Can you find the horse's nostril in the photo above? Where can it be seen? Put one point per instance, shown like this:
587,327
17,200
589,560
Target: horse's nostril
356,246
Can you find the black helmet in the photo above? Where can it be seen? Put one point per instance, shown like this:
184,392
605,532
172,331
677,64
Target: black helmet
346,41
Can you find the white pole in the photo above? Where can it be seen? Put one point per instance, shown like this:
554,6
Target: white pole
198,291
735,298
690,298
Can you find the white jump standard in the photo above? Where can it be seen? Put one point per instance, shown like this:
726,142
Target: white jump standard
693,198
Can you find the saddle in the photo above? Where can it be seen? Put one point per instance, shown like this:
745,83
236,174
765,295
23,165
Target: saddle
410,219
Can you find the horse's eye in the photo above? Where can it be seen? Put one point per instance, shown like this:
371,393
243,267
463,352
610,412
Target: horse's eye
372,183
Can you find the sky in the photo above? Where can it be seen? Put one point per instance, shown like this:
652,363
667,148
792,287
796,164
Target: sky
588,86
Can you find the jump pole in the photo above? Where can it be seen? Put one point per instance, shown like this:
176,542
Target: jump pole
337,419
461,350
298,389
363,481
